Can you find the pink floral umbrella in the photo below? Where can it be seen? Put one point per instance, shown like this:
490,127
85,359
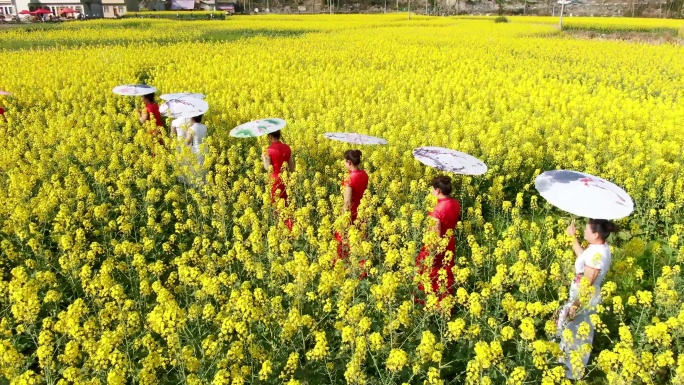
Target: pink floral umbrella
584,195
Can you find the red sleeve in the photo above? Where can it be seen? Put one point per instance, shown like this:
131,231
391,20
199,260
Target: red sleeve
348,182
437,213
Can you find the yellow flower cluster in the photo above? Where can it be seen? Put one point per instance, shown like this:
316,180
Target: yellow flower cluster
115,271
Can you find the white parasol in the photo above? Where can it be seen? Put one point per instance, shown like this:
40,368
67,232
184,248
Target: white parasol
181,95
183,108
134,90
584,195
449,160
354,138
258,128
5,93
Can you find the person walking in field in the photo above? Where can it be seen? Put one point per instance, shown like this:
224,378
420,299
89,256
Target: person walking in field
195,137
279,156
355,185
151,114
445,216
591,266
191,151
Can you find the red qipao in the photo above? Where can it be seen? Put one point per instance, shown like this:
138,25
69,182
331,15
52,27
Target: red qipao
153,114
447,212
358,181
279,153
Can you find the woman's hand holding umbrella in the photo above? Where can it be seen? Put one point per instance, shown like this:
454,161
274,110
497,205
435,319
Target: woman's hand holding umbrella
572,230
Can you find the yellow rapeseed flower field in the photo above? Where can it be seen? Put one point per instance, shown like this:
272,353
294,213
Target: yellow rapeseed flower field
114,271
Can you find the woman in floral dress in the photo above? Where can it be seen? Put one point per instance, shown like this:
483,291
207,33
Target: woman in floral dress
591,267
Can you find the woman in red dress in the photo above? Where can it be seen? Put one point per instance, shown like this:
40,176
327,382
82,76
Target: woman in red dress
354,187
151,113
445,217
277,154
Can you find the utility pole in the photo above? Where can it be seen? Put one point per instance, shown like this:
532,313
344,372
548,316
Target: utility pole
563,3
409,10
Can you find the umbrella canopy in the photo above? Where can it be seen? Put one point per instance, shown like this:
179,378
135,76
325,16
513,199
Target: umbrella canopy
68,10
354,138
584,195
184,108
5,93
181,95
25,12
134,90
43,11
449,160
258,128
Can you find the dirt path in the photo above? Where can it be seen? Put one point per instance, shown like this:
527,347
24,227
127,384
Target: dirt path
637,37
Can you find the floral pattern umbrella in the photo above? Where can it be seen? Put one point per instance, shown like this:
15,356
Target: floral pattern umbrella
258,128
584,195
354,138
449,160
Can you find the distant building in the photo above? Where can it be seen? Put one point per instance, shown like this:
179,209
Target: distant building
207,5
118,8
7,8
89,8
227,7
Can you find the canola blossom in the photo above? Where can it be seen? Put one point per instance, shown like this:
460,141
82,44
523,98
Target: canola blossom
118,266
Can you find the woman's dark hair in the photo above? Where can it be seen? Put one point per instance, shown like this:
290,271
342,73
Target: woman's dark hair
275,135
197,119
354,156
602,227
149,98
443,183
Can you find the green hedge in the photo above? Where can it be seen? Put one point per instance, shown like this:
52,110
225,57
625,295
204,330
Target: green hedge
598,28
183,15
